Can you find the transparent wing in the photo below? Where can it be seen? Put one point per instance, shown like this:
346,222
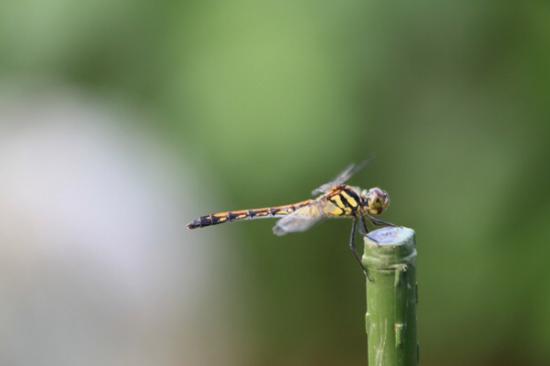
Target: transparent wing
300,220
341,178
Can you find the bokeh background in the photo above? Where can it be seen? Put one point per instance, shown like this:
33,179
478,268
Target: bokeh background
121,121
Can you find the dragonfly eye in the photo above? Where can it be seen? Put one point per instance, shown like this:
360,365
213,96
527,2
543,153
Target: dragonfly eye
377,201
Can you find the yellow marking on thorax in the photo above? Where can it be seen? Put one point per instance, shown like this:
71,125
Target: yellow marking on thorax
342,209
336,211
336,199
350,199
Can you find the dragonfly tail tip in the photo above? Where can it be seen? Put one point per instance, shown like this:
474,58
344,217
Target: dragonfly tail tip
193,225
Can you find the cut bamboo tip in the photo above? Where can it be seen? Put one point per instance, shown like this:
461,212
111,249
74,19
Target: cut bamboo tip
389,246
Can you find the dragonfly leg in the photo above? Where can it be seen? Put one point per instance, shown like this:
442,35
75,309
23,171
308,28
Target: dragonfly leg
379,222
354,249
364,229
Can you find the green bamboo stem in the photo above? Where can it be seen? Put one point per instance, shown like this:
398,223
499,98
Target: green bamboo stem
390,258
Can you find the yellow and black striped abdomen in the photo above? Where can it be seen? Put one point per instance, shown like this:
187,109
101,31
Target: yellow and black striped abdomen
251,214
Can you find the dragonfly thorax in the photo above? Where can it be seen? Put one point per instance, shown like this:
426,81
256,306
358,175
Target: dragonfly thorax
376,200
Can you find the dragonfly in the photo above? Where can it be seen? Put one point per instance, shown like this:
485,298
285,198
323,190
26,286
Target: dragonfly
334,199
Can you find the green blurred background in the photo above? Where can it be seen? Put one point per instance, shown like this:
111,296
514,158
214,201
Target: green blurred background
121,121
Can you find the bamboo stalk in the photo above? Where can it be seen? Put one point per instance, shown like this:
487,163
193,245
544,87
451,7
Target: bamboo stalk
390,258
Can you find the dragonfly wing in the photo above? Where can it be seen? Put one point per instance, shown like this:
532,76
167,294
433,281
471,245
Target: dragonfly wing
300,220
342,178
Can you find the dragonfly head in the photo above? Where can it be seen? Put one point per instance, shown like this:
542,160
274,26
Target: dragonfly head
376,200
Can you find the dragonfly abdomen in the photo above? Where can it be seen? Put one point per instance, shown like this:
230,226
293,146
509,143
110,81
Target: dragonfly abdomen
251,214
